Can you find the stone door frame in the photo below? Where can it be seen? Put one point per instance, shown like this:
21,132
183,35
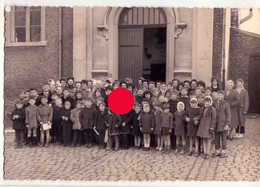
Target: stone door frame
111,23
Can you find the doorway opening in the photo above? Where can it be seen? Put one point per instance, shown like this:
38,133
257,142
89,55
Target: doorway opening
154,60
142,44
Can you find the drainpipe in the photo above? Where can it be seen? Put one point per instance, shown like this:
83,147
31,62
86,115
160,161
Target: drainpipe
60,41
223,50
248,17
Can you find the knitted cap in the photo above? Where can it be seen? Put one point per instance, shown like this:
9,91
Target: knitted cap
194,100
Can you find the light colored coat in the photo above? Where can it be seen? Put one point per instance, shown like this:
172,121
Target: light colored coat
233,100
75,119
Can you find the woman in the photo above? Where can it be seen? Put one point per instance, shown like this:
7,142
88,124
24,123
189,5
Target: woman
215,85
232,97
242,109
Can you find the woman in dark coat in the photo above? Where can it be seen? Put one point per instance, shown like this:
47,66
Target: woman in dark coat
207,125
232,97
242,109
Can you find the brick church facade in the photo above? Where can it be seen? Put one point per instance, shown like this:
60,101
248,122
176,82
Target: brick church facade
114,43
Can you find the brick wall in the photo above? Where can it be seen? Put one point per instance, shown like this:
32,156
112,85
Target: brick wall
67,42
217,42
234,17
242,45
27,67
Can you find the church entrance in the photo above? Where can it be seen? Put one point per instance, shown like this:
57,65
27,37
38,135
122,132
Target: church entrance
142,44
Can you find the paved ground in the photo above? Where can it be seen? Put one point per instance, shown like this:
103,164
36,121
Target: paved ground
57,162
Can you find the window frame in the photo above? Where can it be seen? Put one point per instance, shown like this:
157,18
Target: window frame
10,29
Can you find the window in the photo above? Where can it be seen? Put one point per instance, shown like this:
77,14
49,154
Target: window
25,26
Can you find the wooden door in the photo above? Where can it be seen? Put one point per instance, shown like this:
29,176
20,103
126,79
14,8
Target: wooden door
130,54
254,84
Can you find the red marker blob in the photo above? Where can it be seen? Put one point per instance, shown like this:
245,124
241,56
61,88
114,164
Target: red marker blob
120,101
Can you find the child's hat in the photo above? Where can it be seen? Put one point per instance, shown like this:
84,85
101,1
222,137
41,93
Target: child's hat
165,106
194,100
208,98
221,92
180,103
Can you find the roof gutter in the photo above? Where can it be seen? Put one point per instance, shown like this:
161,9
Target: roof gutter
248,17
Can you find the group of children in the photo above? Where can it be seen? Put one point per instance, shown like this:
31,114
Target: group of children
184,115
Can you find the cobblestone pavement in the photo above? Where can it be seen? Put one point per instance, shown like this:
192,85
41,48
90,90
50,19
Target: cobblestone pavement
65,163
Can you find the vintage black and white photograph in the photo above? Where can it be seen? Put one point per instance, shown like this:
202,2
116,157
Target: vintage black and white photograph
131,93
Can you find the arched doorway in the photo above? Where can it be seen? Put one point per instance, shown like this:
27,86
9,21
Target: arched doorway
111,22
142,43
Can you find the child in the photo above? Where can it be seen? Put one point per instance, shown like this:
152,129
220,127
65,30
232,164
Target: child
18,117
158,125
108,90
173,108
125,128
146,124
87,117
135,125
78,97
223,122
147,97
167,120
207,91
173,101
113,122
66,96
184,97
54,97
179,127
97,98
31,121
66,123
207,125
201,98
100,125
44,115
192,115
76,123
139,97
56,121
167,96
198,91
